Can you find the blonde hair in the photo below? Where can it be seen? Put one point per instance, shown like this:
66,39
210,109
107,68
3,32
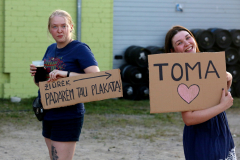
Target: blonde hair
66,16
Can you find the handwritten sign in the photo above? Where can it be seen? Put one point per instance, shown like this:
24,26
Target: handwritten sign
186,81
80,89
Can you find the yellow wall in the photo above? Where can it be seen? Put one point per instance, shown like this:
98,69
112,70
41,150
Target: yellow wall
23,38
97,30
4,77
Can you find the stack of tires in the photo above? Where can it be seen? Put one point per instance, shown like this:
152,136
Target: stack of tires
215,40
135,73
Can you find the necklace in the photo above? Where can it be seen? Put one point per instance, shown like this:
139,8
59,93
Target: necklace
55,54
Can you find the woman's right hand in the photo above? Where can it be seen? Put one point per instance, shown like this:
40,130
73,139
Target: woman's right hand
226,100
200,116
33,69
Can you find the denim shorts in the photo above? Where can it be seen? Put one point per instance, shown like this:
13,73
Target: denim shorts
63,130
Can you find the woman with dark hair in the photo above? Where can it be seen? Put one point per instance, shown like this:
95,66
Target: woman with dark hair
206,134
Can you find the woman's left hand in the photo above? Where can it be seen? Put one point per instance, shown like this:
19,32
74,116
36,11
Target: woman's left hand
229,80
56,74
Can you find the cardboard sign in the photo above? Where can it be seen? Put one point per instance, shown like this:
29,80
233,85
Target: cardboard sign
186,81
80,89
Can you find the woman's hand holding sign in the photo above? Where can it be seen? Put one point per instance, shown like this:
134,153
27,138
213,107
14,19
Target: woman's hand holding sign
226,100
56,74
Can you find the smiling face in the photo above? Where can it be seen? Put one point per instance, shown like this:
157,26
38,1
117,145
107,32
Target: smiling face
60,30
183,42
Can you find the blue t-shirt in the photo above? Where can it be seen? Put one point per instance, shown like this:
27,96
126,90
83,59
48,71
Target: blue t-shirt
74,57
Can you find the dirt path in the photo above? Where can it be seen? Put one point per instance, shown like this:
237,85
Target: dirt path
115,143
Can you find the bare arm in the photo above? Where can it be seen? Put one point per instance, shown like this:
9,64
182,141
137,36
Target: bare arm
92,69
197,117
229,80
56,74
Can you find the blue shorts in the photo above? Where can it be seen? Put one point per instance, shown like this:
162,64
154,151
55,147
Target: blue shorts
63,130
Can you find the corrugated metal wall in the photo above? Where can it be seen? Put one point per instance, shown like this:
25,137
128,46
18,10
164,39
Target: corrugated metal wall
145,22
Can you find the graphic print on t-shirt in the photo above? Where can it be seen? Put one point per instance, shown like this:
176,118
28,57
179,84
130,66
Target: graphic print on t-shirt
54,63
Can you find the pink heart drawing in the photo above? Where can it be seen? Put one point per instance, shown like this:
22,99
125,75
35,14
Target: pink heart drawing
188,94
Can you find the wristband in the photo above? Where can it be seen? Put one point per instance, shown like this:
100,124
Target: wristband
68,73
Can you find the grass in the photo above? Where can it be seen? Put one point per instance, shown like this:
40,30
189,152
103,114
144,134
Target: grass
105,113
119,116
109,106
112,112
118,106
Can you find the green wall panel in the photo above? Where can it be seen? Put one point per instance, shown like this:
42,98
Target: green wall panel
4,77
97,30
24,38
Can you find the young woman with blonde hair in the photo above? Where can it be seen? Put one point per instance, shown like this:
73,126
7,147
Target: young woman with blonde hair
61,127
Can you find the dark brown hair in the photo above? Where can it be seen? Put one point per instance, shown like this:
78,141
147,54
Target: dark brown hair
171,33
